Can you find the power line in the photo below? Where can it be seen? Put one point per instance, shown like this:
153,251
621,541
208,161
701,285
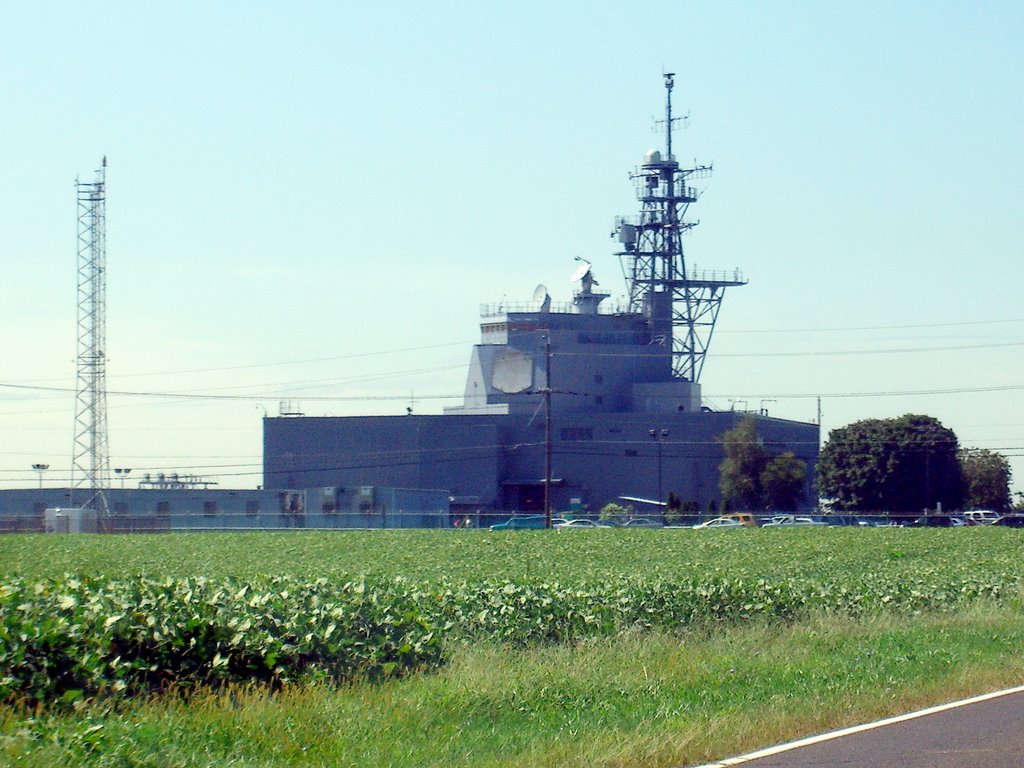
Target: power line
289,387
811,353
214,396
193,396
873,327
249,366
888,393
402,350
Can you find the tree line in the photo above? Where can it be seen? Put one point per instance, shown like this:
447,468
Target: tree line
908,465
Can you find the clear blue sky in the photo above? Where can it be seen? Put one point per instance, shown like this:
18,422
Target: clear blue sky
312,199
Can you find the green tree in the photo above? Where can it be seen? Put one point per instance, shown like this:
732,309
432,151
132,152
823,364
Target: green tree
782,482
615,513
673,508
752,478
986,479
901,465
739,474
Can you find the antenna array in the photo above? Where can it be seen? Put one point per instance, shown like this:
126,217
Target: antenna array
679,304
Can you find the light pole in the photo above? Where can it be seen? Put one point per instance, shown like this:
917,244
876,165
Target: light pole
658,435
122,473
40,468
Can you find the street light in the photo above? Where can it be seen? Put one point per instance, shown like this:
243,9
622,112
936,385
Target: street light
658,436
40,468
122,473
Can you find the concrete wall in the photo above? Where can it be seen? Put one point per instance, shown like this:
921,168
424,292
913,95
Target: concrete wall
499,460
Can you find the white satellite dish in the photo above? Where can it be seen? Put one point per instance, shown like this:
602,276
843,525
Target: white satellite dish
581,271
540,293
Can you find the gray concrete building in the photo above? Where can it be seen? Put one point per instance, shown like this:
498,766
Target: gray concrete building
620,426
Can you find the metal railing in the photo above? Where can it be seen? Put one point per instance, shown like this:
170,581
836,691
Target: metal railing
532,307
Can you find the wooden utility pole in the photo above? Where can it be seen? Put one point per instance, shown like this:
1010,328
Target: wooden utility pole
547,432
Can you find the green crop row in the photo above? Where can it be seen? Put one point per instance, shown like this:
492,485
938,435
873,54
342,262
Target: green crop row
64,638
531,612
430,556
67,637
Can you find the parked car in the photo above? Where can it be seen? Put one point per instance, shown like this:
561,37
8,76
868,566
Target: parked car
520,522
787,520
874,521
980,516
572,525
935,521
746,519
720,522
1010,521
642,522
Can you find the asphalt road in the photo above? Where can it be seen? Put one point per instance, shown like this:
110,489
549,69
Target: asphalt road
988,734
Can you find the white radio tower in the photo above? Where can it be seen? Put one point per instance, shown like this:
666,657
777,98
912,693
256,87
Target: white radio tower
90,464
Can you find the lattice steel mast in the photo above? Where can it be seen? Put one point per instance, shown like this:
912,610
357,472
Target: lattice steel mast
90,464
680,305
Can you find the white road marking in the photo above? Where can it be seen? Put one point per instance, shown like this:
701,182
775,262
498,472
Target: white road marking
769,751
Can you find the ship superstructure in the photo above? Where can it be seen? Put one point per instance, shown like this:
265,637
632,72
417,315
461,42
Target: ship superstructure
645,356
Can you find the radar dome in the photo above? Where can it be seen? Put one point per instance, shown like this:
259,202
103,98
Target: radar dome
653,156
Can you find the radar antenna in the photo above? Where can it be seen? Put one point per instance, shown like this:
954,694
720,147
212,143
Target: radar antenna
677,302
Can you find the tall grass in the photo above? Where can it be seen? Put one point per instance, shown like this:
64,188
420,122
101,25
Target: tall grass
640,699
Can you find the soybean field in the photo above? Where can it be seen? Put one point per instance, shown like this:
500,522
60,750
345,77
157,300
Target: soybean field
86,616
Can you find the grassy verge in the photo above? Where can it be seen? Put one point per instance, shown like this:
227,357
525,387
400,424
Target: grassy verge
645,699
